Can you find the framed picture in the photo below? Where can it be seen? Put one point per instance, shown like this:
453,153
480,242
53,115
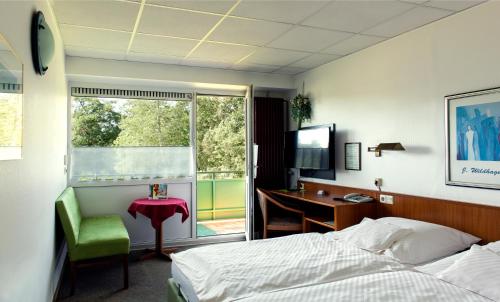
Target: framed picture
353,156
473,139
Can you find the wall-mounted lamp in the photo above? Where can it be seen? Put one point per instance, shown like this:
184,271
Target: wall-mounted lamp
386,146
42,43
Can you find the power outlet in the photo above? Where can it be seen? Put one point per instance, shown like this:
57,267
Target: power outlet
388,199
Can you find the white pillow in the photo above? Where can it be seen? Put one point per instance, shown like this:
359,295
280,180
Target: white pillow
373,235
493,246
435,267
478,271
427,242
342,234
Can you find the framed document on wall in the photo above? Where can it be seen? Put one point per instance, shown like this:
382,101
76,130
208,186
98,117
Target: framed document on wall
353,156
473,139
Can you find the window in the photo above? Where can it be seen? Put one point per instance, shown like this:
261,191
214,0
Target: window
11,103
11,125
120,139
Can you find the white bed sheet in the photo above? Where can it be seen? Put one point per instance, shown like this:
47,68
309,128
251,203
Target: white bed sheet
231,271
408,286
185,285
435,267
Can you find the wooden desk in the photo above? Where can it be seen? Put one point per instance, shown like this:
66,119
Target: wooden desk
328,213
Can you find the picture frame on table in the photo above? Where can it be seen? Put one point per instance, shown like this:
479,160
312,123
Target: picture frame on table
473,139
158,191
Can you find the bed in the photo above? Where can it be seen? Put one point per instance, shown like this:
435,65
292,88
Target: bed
313,264
370,253
214,272
471,275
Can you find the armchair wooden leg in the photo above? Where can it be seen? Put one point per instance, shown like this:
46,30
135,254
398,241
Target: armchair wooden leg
72,277
125,271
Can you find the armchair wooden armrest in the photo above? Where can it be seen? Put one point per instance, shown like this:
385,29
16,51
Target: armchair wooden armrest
292,223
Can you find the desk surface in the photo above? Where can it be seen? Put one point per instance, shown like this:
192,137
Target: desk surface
345,213
312,197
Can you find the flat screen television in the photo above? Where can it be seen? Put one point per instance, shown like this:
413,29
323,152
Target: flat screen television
311,148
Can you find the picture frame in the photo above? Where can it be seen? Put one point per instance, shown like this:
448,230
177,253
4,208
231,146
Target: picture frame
473,139
352,156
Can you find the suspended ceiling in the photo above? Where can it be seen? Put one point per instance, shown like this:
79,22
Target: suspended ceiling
284,37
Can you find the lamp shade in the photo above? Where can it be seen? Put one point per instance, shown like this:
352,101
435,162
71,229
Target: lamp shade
390,146
42,43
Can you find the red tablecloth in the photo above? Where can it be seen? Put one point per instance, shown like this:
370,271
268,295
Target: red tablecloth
159,210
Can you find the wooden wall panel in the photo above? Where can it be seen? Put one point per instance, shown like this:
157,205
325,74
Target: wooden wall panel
480,220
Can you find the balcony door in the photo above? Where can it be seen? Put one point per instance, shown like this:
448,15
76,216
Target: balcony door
221,165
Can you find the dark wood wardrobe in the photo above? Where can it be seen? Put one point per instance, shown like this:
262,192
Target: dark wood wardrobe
270,123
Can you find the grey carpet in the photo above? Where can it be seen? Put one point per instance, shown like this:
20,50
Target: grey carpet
148,282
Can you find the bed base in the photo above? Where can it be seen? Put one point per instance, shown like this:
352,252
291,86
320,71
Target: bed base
173,292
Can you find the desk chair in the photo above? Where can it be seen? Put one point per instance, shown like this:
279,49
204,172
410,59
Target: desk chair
277,216
91,239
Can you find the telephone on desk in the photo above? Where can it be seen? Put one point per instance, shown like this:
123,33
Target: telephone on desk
356,197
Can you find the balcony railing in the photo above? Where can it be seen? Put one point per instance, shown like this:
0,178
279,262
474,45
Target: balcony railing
220,195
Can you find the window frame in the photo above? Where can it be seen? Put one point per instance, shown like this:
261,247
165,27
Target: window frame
130,182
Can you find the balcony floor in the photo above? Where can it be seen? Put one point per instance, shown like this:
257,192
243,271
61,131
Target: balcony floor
220,227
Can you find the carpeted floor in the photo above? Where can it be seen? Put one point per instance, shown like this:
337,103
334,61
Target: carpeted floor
148,282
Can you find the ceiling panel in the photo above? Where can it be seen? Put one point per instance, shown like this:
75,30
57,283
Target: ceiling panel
79,51
222,52
162,45
177,23
296,11
212,6
116,15
415,1
271,56
255,67
408,21
308,39
95,38
456,5
205,63
314,61
244,31
353,44
356,16
290,70
153,58
260,33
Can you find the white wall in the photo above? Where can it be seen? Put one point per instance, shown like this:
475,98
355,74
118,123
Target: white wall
91,70
394,92
116,200
29,187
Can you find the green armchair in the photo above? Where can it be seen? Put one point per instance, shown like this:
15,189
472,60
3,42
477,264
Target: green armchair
91,239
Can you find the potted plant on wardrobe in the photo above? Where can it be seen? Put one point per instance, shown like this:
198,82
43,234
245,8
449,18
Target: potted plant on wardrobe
301,109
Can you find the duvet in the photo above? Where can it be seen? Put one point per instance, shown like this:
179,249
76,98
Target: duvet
408,286
232,271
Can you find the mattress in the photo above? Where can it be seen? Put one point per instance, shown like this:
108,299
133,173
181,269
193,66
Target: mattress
185,286
232,271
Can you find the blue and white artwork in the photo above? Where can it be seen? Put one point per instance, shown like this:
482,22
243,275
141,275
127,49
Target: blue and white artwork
478,132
